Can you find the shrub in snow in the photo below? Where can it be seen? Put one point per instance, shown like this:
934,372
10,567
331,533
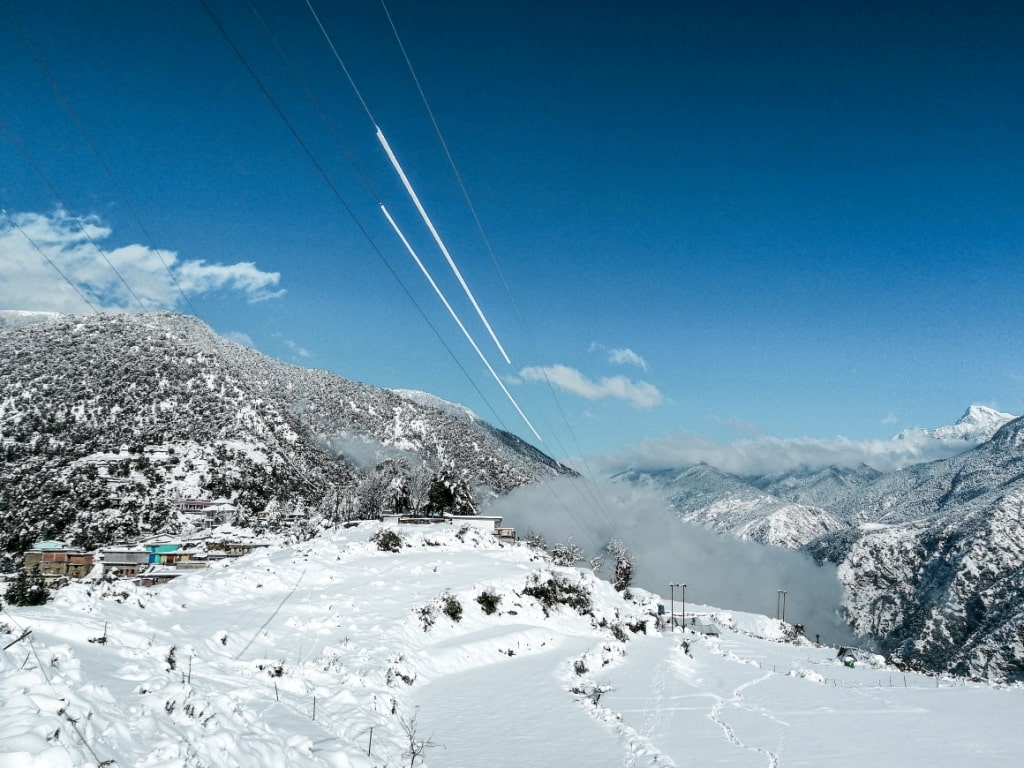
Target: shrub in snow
451,607
567,554
428,615
638,626
624,565
488,600
387,540
27,589
558,590
535,540
449,494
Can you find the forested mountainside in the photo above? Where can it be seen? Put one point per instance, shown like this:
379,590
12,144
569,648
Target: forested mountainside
933,560
931,556
105,419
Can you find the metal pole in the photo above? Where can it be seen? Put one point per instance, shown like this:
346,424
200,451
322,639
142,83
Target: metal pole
783,605
672,615
684,605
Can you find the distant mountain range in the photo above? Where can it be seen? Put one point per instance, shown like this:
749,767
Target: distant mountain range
932,556
106,419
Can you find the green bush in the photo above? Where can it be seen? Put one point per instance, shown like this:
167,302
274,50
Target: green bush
428,615
387,540
451,607
488,600
558,590
27,589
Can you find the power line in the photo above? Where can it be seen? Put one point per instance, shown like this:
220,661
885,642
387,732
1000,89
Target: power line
456,318
369,187
338,196
80,126
483,236
48,259
409,189
16,141
391,221
448,154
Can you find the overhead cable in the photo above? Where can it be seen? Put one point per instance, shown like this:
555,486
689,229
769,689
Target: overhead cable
455,317
487,243
73,114
77,219
408,186
49,261
340,198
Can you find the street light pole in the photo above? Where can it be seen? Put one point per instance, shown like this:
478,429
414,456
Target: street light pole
672,616
684,606
783,605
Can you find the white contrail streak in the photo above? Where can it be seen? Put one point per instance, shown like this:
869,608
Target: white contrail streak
437,238
455,317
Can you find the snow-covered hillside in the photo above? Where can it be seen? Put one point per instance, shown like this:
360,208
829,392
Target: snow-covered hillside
335,652
105,420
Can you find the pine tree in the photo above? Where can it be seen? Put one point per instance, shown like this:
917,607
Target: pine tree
27,589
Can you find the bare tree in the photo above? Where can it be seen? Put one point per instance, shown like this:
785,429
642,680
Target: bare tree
417,746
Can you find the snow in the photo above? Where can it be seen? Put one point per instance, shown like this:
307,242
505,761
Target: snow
226,666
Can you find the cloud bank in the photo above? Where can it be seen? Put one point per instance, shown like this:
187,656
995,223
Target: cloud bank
638,394
36,249
719,571
764,454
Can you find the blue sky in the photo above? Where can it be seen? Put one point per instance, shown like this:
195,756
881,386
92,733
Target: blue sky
710,222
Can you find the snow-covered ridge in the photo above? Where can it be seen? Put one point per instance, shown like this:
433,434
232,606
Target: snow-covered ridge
19,318
433,401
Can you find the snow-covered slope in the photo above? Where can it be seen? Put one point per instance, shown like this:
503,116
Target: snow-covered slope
335,653
104,418
18,318
930,556
934,565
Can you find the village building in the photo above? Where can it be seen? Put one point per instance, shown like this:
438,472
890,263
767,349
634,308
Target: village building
206,513
54,559
123,562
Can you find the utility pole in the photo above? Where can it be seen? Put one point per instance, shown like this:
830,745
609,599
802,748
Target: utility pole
684,605
780,599
672,590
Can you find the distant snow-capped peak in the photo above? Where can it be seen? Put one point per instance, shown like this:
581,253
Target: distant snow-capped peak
977,425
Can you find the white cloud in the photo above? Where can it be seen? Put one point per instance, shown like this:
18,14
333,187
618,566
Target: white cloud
300,351
639,394
240,338
639,517
771,454
626,357
29,277
890,419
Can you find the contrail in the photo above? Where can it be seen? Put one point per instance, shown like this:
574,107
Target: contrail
455,317
437,238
